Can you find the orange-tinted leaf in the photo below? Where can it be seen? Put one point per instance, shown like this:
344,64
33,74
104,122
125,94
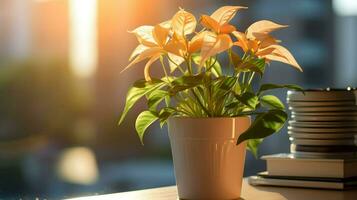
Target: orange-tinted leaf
263,26
138,50
227,28
166,24
253,45
281,54
214,44
144,55
266,40
176,46
196,42
226,13
148,65
242,41
144,35
160,35
183,23
210,23
264,52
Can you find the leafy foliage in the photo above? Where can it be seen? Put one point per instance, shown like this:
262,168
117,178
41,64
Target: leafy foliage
195,85
139,89
143,121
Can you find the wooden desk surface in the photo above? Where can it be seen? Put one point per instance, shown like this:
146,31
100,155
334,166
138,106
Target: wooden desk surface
248,193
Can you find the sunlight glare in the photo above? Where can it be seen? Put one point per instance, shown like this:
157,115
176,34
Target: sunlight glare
345,7
78,165
83,37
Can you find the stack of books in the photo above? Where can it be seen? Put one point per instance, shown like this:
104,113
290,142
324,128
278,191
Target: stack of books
290,171
323,147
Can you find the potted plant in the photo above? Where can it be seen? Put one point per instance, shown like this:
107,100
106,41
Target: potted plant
207,107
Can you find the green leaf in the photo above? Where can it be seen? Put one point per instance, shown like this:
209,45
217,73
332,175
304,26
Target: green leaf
259,64
165,113
249,64
269,86
226,83
139,89
264,125
272,101
186,82
232,105
155,97
143,121
215,66
216,69
252,146
249,99
167,101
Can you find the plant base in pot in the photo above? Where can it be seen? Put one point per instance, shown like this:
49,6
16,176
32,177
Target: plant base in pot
203,102
208,163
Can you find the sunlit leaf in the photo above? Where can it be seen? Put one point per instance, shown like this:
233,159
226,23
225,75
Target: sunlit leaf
144,55
196,42
155,97
160,35
175,61
177,46
272,101
242,41
164,114
144,35
249,99
183,23
139,89
166,24
216,68
270,86
254,65
186,82
226,13
264,125
252,146
263,26
283,55
138,50
265,40
226,29
214,44
210,23
148,65
263,52
143,121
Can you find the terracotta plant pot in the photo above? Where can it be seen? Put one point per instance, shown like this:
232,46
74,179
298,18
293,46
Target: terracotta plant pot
208,163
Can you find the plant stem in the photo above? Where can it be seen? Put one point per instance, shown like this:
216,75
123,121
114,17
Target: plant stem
251,78
200,103
179,98
163,67
178,66
211,65
230,58
243,78
189,65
